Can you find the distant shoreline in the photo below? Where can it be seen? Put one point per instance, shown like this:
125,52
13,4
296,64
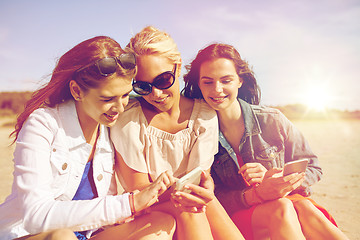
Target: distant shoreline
12,103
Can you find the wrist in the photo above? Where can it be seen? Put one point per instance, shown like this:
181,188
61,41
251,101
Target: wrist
251,197
132,203
257,194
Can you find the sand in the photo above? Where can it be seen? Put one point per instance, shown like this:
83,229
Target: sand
335,142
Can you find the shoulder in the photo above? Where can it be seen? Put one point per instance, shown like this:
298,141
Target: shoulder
130,120
204,117
204,110
267,112
43,122
269,117
261,109
132,104
44,116
132,112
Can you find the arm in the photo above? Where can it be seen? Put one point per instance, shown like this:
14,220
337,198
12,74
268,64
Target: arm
130,179
297,147
38,185
206,139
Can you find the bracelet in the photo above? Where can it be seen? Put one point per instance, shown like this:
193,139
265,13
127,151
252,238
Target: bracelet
242,198
262,200
132,203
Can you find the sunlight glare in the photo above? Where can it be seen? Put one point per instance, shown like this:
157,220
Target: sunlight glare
318,98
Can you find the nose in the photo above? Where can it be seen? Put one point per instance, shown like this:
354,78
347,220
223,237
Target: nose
218,86
120,104
156,92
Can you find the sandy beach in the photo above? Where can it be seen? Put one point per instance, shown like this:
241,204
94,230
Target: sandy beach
335,142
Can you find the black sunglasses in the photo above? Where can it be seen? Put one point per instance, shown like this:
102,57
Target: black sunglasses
108,65
163,81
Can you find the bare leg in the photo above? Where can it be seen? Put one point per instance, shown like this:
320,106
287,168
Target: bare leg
155,225
222,227
59,234
188,225
192,226
314,223
279,216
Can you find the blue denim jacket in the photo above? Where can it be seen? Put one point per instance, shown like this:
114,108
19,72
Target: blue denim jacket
270,139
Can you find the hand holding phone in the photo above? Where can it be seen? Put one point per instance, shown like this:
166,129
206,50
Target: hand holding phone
297,166
191,177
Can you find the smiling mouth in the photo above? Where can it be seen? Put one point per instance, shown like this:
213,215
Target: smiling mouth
111,117
161,100
218,99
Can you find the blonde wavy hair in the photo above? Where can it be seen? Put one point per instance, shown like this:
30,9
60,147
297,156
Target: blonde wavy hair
152,41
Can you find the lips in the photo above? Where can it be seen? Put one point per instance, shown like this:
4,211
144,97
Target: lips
161,100
111,117
218,99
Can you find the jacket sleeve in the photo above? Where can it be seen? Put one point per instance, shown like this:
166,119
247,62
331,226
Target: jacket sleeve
297,147
33,180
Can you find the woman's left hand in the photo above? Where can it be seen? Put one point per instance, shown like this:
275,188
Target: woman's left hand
199,196
253,173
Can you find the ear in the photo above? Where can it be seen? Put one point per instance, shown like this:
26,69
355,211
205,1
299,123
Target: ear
75,90
241,81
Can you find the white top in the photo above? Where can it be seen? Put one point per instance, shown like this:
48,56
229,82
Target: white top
151,150
50,157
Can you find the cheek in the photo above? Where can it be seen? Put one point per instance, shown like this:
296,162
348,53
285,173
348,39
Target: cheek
205,89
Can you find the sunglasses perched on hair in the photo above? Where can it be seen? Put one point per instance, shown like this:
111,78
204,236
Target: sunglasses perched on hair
163,81
108,65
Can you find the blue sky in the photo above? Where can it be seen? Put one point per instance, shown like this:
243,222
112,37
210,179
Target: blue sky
300,50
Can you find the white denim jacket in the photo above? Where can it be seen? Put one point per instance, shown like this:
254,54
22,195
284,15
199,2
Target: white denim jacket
49,159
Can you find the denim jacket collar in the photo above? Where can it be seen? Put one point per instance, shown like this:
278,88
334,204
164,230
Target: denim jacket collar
252,127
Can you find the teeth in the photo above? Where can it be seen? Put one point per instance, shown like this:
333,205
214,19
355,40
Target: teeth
218,99
111,116
161,100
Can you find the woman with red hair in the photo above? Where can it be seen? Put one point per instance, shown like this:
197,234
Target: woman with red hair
64,179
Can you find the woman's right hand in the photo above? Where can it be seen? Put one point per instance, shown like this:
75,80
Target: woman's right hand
198,198
275,186
150,194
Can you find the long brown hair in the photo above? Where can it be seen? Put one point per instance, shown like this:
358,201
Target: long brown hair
57,89
249,91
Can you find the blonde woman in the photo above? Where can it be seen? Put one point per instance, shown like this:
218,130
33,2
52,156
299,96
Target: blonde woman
169,132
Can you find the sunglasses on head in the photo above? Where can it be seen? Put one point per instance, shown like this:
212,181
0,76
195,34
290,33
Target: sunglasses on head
108,65
163,81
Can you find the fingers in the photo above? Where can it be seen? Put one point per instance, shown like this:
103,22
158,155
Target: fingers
295,181
188,202
248,166
164,181
253,173
273,171
206,181
206,194
188,199
185,208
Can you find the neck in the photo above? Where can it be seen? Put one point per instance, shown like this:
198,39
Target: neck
89,126
229,116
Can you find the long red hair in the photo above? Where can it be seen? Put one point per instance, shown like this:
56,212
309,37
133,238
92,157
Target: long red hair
57,89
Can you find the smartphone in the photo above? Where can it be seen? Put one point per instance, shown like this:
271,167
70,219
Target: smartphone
297,166
191,177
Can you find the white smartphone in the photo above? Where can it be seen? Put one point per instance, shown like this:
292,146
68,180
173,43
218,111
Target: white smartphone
297,166
191,177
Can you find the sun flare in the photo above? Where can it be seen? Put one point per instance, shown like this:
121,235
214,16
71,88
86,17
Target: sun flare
318,98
